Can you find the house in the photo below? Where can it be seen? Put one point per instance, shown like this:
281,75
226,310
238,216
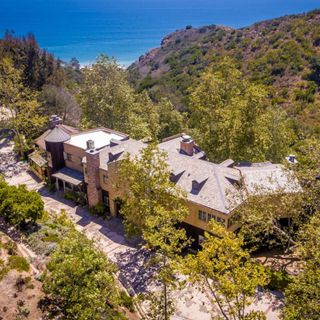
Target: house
88,162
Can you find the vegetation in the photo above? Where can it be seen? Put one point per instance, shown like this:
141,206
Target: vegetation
279,53
80,281
153,207
21,103
225,270
18,205
303,293
107,99
233,118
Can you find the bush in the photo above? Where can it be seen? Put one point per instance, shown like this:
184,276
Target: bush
97,209
18,205
18,263
11,247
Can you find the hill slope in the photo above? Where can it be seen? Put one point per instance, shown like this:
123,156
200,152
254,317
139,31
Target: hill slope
282,53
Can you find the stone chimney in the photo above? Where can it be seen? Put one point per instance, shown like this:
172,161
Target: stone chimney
54,120
93,179
186,145
90,145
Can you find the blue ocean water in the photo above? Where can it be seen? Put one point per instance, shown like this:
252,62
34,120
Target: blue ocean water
126,29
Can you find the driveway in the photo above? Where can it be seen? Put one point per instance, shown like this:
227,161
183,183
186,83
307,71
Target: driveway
192,303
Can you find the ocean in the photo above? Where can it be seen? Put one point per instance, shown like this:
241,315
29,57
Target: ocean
126,29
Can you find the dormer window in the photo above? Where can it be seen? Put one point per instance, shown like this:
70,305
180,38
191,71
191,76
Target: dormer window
176,175
197,185
115,155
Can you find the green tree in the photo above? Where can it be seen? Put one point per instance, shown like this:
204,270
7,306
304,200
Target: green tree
303,293
18,205
224,269
232,117
80,280
25,115
154,207
171,120
107,99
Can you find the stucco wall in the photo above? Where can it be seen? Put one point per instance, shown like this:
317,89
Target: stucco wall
76,156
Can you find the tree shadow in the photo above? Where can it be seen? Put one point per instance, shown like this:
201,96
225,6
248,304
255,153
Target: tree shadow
136,272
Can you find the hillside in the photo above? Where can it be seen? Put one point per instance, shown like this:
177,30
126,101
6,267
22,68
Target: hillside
282,53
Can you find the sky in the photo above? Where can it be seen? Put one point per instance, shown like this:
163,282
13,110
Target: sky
128,28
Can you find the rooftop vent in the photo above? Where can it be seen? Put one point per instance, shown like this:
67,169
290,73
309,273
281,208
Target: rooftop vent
90,145
54,120
186,145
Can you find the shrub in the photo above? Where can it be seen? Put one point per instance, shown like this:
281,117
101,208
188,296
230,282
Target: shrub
18,205
11,247
18,263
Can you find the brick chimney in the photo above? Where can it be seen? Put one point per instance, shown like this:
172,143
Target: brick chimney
93,179
186,145
54,120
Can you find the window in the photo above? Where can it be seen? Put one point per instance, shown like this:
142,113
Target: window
69,157
105,178
206,217
202,215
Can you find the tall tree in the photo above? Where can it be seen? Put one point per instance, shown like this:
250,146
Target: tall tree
25,116
224,269
154,207
232,118
80,280
303,293
107,99
171,120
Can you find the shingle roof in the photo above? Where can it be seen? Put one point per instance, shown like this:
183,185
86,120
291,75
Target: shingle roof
57,135
266,178
216,184
172,144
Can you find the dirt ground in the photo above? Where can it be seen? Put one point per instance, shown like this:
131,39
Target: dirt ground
19,291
